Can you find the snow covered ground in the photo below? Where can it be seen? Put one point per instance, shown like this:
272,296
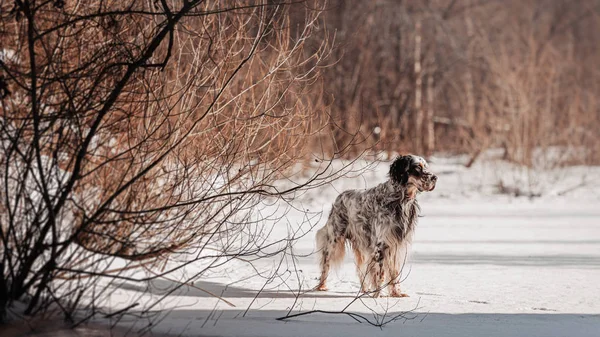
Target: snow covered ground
483,264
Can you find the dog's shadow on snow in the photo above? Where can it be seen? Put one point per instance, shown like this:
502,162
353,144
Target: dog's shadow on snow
210,289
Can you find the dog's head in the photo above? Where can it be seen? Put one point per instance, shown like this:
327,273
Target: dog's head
413,172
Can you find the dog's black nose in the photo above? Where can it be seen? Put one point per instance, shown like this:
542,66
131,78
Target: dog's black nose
434,178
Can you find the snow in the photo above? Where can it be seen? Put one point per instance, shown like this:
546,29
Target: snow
482,264
8,55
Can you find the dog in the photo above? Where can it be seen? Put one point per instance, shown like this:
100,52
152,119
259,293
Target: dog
378,224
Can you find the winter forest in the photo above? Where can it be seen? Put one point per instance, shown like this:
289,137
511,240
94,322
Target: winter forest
165,165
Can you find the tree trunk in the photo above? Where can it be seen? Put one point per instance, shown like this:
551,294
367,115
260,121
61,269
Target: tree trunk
430,144
418,89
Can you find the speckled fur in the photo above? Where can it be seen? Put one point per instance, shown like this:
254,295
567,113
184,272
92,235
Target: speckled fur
378,224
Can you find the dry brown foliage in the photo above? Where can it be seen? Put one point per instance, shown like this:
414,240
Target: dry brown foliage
464,76
141,130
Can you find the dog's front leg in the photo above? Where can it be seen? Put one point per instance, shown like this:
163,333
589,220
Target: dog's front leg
377,270
395,266
361,267
394,284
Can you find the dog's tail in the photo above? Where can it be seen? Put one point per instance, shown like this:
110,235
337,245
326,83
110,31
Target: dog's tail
332,249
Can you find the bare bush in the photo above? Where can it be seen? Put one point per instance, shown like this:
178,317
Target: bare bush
134,133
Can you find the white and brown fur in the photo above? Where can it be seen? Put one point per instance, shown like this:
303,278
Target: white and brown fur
378,224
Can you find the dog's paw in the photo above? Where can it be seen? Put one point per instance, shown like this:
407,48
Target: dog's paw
321,287
397,294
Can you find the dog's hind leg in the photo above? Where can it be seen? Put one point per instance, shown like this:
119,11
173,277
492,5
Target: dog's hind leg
332,249
323,247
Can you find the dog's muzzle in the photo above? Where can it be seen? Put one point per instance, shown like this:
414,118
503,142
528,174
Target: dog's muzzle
429,181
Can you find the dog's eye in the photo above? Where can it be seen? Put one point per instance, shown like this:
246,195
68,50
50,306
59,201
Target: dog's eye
416,170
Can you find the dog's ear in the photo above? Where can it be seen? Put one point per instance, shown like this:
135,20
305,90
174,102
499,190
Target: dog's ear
399,169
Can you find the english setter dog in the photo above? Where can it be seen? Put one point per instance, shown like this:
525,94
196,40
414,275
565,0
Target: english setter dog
378,224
